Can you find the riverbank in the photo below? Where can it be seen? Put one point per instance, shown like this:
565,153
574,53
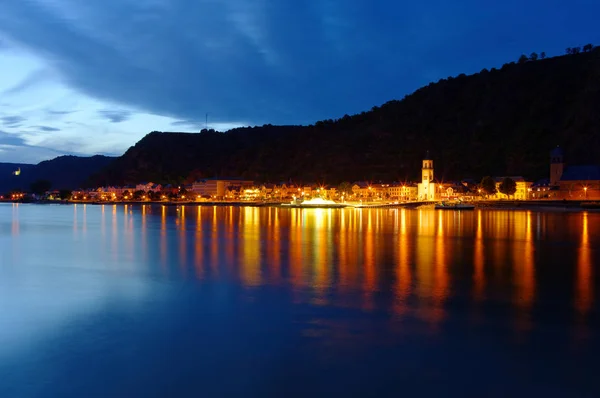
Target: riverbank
517,205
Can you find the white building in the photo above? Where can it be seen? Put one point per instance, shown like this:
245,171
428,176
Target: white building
426,188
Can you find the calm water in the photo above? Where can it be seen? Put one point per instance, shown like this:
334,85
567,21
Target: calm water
152,301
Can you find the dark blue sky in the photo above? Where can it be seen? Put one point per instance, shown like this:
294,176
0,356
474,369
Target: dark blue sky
93,76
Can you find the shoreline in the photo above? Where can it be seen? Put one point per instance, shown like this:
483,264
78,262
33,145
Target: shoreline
539,205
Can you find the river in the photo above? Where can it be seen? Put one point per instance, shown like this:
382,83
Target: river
155,301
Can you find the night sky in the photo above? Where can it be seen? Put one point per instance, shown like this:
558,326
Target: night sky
94,76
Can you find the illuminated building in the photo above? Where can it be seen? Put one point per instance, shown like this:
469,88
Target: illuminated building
426,188
215,187
522,192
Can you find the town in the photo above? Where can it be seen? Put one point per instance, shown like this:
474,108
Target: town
575,183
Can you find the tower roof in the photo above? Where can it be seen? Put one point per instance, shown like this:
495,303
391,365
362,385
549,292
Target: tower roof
427,156
557,152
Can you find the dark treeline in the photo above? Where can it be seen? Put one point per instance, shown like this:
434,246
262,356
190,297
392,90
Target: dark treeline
496,122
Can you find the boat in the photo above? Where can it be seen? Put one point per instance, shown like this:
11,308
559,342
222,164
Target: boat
318,203
590,205
454,206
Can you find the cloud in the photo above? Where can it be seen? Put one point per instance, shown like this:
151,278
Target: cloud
33,79
189,124
11,139
28,153
115,116
12,121
46,128
58,113
266,62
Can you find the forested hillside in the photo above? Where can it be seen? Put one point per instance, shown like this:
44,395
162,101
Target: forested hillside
496,122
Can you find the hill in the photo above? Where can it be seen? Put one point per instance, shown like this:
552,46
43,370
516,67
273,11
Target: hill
496,122
64,172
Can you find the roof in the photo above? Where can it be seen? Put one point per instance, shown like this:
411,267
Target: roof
544,182
556,152
581,173
427,156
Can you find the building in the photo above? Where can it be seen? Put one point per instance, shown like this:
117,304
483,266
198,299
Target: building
148,187
426,188
556,165
523,188
579,182
542,189
361,189
216,187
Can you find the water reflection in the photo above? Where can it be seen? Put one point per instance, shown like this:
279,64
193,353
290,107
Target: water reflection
412,262
584,289
479,261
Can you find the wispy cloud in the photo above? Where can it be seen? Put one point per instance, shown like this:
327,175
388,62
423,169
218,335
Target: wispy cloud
115,116
31,80
12,121
47,128
64,112
189,123
11,139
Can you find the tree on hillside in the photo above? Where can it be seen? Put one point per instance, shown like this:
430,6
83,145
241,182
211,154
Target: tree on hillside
533,57
523,58
488,185
575,50
40,187
587,48
508,186
542,55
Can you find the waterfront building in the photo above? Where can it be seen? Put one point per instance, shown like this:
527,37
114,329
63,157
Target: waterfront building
578,182
148,187
403,192
522,192
542,189
360,189
426,188
216,187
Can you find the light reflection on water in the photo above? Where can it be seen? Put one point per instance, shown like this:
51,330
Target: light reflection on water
358,278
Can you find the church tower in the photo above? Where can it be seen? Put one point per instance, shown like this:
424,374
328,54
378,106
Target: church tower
427,186
557,165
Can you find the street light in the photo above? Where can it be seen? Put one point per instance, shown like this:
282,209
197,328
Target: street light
585,191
